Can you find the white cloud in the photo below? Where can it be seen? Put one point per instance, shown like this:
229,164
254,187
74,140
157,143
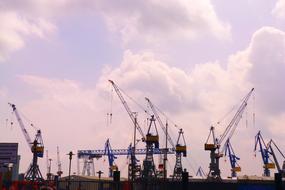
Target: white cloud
141,22
279,9
14,28
154,21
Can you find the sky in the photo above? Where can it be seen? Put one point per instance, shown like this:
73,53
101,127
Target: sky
195,60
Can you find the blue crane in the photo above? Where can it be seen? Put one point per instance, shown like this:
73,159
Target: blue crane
233,158
200,172
111,158
270,148
265,154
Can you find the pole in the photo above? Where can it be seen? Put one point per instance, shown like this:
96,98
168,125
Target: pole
69,170
134,148
165,154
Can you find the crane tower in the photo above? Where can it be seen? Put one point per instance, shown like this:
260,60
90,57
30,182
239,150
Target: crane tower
36,146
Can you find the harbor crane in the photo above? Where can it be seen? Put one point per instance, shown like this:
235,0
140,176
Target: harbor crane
180,150
36,146
162,167
133,172
214,147
265,154
233,158
111,158
270,148
152,142
59,170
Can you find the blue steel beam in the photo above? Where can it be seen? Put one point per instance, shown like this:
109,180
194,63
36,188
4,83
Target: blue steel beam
102,152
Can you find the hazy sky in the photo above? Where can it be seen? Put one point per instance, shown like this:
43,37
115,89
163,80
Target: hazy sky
194,59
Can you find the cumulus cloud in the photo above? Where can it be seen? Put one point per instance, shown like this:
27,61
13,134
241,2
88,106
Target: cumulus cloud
266,71
14,28
154,21
141,22
279,9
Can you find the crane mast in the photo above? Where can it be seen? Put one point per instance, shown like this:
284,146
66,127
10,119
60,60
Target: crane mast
180,150
214,147
152,143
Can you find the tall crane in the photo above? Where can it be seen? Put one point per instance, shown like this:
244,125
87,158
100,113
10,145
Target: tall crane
111,158
36,146
215,155
233,158
133,117
48,163
164,128
270,148
152,142
180,150
59,170
265,154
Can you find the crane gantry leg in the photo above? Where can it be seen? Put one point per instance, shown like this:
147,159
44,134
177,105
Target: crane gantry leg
34,173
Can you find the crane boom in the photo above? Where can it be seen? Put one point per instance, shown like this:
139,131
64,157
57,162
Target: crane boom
127,109
160,122
235,120
23,128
